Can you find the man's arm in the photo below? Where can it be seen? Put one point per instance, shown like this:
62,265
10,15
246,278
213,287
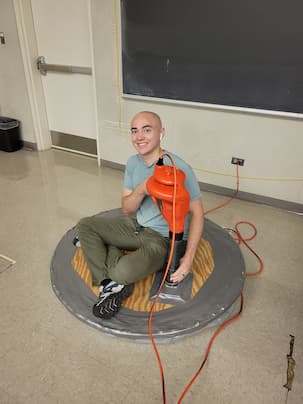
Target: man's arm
131,200
194,236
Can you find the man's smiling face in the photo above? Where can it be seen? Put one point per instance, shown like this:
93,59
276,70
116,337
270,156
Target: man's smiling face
145,132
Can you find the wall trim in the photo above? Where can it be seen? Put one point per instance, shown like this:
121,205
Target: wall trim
75,143
30,146
250,197
112,164
245,196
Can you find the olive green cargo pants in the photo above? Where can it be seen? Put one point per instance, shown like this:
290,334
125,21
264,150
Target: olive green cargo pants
104,241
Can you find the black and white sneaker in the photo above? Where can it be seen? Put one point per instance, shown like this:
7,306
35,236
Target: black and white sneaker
111,298
76,242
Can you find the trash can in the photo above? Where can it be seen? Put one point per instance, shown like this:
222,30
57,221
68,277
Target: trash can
10,140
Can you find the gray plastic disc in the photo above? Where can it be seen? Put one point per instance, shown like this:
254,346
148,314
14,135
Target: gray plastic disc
209,307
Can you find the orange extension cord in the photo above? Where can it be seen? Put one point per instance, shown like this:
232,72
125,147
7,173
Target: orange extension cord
240,239
150,318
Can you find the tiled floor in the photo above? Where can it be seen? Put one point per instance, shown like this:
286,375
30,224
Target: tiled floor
48,356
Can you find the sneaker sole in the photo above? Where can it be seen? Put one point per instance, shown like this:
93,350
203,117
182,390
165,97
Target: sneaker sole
107,310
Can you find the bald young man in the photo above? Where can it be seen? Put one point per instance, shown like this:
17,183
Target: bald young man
141,229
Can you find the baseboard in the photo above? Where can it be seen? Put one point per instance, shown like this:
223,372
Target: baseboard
73,143
30,146
111,164
245,196
250,197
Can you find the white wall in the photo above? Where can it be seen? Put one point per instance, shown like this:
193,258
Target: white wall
206,138
14,101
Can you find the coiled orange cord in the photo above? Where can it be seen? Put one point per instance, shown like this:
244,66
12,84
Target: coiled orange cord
240,240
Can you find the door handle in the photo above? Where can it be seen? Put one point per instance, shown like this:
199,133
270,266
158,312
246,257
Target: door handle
44,67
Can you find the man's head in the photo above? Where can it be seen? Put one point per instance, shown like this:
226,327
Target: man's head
146,133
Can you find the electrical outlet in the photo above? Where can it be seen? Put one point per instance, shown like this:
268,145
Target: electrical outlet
236,160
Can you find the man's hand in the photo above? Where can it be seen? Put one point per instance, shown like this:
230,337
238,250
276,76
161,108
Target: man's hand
132,199
182,271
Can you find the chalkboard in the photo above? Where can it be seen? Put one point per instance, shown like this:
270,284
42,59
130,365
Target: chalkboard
240,53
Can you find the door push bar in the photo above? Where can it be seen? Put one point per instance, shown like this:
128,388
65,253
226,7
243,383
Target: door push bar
44,67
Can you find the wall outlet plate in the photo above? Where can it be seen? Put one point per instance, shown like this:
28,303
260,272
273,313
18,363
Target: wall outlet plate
237,160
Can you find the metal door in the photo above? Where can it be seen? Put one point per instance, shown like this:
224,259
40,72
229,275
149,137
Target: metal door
64,42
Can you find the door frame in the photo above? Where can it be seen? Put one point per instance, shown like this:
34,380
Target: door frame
29,51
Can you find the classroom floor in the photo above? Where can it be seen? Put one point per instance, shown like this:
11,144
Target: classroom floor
48,356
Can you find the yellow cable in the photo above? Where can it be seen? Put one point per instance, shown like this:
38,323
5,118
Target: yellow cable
8,259
250,178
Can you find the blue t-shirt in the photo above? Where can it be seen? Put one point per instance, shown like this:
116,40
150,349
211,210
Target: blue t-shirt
148,214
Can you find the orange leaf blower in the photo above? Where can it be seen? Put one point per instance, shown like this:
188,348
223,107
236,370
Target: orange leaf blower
167,190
